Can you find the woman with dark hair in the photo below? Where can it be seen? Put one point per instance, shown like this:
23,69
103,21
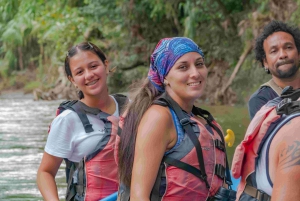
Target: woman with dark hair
168,148
84,131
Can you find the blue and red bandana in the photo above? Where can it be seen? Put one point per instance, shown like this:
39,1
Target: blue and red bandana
165,55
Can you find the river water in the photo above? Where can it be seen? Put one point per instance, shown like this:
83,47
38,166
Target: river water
23,134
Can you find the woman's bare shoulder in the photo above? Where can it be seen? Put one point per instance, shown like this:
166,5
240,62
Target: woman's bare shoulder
158,113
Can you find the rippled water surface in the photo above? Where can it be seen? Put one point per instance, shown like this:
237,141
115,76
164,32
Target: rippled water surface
23,134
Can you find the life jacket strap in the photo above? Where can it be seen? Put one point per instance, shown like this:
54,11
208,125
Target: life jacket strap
220,145
273,86
220,171
188,168
209,118
71,193
70,169
287,106
256,193
155,193
83,117
74,106
289,92
186,124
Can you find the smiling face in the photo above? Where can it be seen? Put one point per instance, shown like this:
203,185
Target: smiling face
186,80
282,57
89,73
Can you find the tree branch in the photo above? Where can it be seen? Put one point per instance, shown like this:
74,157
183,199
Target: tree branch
226,13
237,67
135,65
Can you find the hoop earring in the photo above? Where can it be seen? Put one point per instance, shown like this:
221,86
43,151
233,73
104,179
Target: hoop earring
267,70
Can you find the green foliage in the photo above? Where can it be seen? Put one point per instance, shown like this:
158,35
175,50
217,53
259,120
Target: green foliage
249,80
35,35
29,87
120,81
11,61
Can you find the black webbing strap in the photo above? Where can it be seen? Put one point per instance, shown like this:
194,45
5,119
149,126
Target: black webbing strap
287,106
209,118
80,186
155,195
106,137
83,117
68,168
220,171
184,121
71,193
259,195
219,144
184,166
119,131
289,92
71,189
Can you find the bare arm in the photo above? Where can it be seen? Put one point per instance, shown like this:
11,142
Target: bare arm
287,162
46,176
156,134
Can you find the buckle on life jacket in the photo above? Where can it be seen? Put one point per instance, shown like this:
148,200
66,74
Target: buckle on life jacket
282,107
289,92
184,121
220,171
88,128
256,193
220,145
288,106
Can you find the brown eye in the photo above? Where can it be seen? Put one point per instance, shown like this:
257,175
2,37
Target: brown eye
182,67
199,64
78,72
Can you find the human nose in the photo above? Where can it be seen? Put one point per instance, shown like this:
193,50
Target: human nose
283,54
195,71
89,74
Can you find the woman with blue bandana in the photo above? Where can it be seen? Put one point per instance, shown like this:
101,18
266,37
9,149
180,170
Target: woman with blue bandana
168,148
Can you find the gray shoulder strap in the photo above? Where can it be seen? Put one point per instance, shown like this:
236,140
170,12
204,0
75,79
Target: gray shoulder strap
274,86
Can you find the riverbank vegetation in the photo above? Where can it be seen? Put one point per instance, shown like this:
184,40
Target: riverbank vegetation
35,35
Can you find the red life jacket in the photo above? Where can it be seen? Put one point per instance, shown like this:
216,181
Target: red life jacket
181,176
267,121
96,173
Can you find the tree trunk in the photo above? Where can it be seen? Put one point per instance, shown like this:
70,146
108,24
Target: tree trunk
237,67
20,58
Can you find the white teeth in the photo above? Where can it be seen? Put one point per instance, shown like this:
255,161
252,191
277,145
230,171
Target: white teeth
194,83
91,83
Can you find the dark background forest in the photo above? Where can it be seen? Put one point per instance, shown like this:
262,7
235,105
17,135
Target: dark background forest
35,37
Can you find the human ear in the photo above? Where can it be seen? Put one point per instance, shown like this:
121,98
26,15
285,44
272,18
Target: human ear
70,78
265,63
166,82
106,64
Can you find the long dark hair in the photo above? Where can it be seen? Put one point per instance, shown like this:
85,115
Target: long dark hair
84,46
141,101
